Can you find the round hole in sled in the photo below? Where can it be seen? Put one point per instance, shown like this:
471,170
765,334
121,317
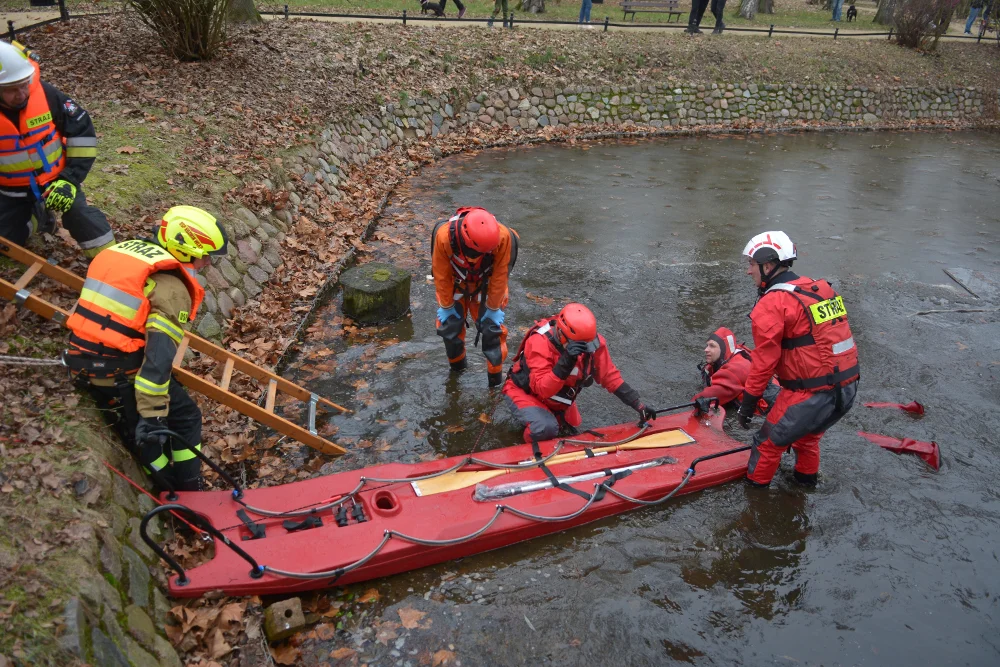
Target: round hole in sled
385,503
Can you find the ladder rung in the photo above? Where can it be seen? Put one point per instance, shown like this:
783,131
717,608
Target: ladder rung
181,350
28,276
227,374
272,390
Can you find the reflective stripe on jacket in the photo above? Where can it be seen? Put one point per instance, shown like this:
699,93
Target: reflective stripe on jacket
31,152
114,310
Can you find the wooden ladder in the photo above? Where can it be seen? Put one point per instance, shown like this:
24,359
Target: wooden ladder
272,384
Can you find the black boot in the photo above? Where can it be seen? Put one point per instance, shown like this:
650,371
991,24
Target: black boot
459,366
803,479
719,27
755,485
494,380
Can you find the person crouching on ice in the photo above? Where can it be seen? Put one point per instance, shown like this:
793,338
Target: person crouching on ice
558,357
724,374
800,334
472,256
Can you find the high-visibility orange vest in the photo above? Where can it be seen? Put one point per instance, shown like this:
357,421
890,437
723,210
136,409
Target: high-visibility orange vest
32,153
113,307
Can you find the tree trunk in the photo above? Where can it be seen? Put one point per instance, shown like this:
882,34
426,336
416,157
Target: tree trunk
748,9
886,10
243,11
766,6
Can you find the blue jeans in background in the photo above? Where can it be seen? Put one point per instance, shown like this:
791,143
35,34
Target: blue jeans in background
973,13
585,11
838,6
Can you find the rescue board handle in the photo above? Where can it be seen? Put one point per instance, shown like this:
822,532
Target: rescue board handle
256,572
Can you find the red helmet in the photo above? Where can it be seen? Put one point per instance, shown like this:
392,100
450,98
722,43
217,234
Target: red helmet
478,230
576,322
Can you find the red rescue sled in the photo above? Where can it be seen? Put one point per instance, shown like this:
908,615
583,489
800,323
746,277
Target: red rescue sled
378,521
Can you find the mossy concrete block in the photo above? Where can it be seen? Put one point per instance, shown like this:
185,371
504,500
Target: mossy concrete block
283,619
375,293
124,495
140,625
119,519
135,538
110,596
161,606
110,623
73,639
111,556
138,656
106,653
138,577
166,653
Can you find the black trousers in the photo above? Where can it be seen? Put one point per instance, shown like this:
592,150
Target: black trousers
697,11
717,7
117,405
86,224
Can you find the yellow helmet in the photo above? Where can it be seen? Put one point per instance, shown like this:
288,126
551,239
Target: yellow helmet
188,232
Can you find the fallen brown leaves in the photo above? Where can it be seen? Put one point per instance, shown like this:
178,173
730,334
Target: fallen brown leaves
207,628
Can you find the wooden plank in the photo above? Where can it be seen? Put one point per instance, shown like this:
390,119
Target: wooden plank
272,389
227,374
27,276
257,413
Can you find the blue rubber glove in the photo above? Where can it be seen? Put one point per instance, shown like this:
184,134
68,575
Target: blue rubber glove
445,313
495,315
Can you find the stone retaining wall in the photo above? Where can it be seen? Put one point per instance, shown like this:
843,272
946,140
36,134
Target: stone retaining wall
256,249
119,613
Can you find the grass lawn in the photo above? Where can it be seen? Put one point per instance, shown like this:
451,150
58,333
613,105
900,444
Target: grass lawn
788,13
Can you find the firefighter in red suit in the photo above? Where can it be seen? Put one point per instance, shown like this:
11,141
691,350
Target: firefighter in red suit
558,357
725,372
801,334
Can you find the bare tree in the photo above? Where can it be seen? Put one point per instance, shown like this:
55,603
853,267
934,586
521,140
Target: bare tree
243,11
886,12
748,9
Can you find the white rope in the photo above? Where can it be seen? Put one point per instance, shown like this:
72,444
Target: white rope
29,361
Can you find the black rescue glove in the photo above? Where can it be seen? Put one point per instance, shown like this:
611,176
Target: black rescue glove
646,414
703,405
747,408
567,360
150,447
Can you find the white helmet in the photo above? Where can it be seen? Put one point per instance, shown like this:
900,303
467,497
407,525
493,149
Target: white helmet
15,67
770,247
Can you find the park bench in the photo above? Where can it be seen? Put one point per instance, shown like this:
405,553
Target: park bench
671,7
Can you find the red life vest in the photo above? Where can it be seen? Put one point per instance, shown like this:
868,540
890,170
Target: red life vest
824,356
581,376
31,152
113,307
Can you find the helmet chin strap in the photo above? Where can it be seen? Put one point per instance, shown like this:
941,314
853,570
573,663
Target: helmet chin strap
765,278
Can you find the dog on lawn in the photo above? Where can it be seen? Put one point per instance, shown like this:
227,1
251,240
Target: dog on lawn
436,7
852,13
